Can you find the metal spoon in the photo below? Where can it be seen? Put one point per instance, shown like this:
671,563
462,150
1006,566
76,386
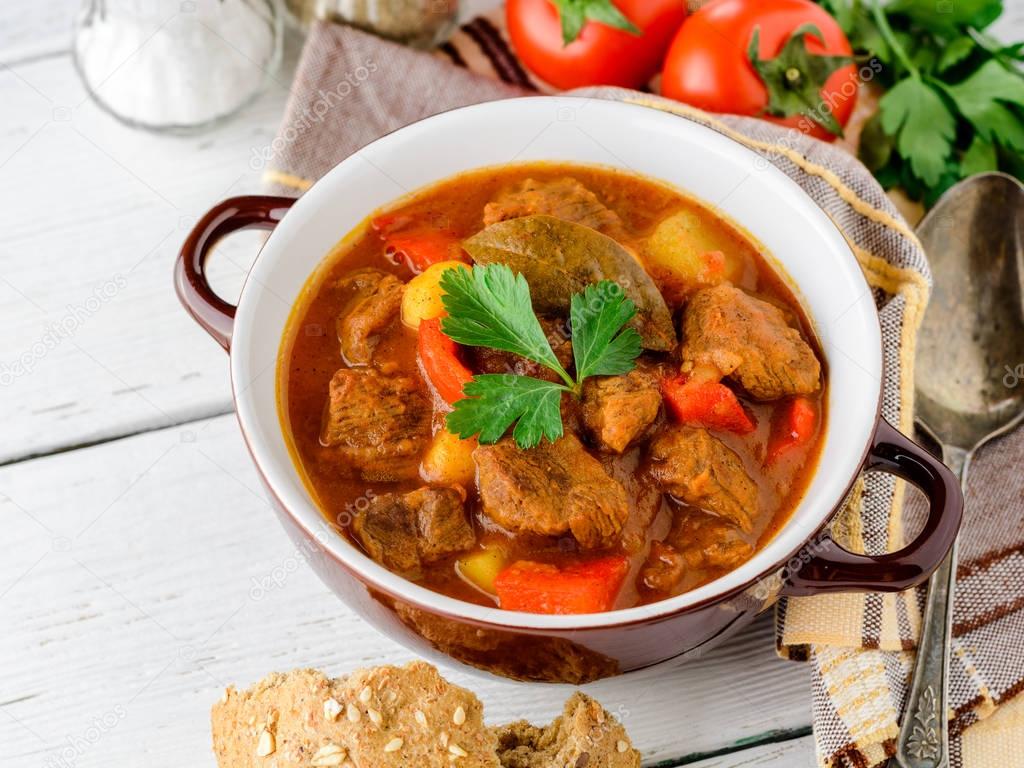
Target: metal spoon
970,388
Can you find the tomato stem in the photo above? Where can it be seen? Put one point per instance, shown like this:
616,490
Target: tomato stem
795,78
576,13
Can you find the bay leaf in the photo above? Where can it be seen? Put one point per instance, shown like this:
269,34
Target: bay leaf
559,258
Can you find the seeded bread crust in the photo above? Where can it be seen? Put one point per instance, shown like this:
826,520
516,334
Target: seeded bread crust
584,735
385,717
401,717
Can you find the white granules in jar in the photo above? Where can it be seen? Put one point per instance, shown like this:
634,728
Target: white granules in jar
180,63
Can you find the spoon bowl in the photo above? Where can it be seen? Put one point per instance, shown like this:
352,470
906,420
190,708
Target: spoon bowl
969,388
970,355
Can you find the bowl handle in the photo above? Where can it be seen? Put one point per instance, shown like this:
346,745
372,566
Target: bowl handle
830,568
215,315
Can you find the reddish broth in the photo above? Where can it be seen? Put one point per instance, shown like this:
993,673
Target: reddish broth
310,356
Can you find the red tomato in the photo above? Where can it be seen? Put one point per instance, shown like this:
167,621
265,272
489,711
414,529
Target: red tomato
708,65
601,55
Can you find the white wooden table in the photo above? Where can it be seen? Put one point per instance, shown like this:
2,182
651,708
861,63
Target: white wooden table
134,531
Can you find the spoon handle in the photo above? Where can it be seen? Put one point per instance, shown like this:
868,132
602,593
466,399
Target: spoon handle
923,741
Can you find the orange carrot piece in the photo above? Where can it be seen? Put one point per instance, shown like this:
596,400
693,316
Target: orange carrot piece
589,587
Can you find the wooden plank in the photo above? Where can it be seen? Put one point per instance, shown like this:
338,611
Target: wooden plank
142,575
35,28
793,753
95,342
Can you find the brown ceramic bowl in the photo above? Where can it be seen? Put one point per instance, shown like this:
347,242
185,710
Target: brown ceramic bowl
804,243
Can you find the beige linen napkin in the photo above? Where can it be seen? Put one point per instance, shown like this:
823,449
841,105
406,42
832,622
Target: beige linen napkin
352,88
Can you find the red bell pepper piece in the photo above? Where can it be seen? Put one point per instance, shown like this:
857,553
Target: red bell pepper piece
420,248
708,403
418,245
794,424
589,587
439,359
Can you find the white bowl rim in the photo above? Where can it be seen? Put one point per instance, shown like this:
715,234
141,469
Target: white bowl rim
766,561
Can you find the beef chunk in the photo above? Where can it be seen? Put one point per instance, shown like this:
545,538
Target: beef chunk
375,305
617,409
645,498
697,541
749,340
404,531
663,569
707,541
550,490
380,424
486,360
700,470
562,198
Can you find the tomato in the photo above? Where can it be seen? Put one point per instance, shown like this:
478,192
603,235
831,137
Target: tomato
601,54
708,64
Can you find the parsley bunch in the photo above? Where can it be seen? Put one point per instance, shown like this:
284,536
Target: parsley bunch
490,306
954,104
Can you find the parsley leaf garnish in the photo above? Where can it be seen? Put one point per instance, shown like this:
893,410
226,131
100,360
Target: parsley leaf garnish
597,316
490,306
494,401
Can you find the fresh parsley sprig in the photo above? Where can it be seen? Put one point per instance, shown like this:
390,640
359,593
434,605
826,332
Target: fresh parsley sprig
490,306
954,101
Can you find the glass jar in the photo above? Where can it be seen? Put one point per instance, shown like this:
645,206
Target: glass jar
176,65
418,23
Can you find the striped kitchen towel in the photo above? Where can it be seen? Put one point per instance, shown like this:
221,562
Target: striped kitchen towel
351,88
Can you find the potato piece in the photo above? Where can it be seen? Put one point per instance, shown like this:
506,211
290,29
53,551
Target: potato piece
685,253
449,460
422,297
482,567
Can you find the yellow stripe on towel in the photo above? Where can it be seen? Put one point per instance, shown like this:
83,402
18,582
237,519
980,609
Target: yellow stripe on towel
271,176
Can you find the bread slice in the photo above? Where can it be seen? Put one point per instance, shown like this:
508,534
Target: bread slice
385,717
400,717
584,735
